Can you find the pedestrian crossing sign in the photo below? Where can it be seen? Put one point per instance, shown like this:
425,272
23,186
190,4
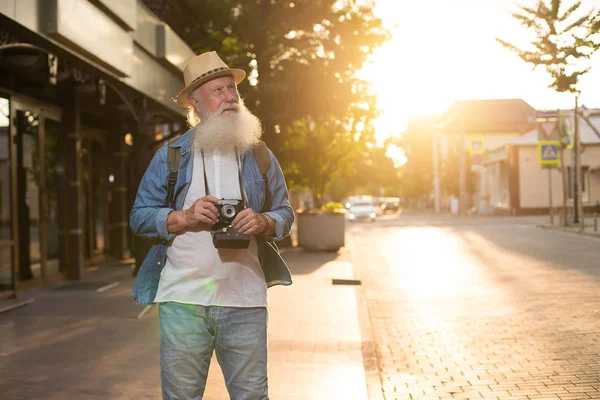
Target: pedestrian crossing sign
549,152
476,145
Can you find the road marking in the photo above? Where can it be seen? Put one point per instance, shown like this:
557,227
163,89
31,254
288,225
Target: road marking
345,282
16,305
107,287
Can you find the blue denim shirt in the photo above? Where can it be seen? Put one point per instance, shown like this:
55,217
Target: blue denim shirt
150,212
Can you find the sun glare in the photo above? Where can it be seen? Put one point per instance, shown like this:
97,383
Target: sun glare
443,51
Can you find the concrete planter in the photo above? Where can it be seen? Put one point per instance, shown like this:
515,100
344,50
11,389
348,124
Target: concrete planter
321,231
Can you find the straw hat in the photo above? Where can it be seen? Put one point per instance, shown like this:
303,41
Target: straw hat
203,68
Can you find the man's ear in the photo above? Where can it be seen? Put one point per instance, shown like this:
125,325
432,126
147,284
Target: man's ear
193,101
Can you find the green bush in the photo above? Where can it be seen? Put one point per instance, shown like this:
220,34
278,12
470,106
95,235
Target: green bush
333,207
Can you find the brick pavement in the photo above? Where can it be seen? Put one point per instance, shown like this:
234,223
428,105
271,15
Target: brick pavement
494,311
76,343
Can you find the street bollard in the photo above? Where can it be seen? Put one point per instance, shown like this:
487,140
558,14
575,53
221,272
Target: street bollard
596,212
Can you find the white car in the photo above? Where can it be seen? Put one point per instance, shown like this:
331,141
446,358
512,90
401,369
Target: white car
362,210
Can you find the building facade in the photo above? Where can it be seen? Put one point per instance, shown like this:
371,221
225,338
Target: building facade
478,129
86,91
514,178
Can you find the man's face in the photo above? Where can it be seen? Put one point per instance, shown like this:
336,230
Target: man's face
215,97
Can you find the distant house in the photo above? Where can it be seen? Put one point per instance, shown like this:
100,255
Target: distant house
495,116
513,181
486,125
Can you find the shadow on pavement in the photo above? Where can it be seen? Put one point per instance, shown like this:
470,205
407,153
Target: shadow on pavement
303,262
559,249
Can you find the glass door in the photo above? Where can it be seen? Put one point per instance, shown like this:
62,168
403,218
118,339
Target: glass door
51,197
7,283
93,160
37,163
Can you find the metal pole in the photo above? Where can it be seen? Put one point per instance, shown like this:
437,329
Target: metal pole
563,170
436,171
550,195
576,163
565,188
462,173
596,216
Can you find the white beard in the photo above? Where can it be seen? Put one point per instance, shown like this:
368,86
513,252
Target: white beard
227,130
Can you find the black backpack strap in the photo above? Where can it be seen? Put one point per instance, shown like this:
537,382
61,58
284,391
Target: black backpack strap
263,159
173,158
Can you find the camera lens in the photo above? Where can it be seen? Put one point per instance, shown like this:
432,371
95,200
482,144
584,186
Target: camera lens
228,211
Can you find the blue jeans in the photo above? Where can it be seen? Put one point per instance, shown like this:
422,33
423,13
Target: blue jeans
190,333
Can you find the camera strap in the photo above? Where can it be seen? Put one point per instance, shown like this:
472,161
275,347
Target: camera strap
239,168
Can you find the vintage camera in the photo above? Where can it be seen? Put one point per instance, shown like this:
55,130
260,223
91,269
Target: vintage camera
227,211
224,235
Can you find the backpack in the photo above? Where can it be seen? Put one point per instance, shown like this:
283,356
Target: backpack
261,153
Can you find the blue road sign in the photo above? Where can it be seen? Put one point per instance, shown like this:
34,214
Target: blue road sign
549,152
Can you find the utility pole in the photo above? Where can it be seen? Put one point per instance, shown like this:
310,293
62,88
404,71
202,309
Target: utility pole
462,165
549,168
436,170
565,189
576,164
563,170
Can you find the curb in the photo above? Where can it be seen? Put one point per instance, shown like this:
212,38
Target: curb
563,230
368,345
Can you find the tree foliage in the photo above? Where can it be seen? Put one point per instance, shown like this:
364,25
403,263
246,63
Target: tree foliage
417,173
562,38
303,56
320,152
373,171
449,171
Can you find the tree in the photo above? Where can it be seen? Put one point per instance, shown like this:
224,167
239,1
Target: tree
373,170
562,40
320,152
417,173
449,171
304,55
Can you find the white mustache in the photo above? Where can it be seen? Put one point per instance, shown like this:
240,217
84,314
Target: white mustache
230,106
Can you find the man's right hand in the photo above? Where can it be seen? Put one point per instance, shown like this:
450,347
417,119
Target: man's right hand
203,211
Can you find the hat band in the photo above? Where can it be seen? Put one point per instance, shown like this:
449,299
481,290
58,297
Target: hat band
212,71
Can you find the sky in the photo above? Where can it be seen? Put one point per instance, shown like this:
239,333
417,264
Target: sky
444,50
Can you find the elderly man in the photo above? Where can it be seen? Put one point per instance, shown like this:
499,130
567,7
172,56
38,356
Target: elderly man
209,268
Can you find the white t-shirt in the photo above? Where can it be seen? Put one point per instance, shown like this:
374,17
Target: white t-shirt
195,271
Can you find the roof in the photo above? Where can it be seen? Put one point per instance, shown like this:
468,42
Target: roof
421,122
494,115
586,133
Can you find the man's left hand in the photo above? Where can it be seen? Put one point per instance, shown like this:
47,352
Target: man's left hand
249,222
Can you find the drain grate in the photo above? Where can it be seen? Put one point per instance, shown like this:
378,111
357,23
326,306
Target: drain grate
345,282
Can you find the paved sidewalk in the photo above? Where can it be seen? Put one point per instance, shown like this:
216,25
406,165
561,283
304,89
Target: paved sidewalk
491,310
74,342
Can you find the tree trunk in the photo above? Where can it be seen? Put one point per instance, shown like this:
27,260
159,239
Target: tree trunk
317,195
